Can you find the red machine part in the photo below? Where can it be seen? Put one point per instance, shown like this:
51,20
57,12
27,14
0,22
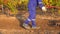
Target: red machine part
48,6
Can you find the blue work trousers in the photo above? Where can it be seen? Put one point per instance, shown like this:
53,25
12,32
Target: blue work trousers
32,10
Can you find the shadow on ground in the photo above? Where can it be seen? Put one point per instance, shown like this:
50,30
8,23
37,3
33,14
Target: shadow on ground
20,19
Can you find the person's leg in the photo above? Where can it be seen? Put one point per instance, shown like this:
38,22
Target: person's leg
43,8
32,11
33,19
40,3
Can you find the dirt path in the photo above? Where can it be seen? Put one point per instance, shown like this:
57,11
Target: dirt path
12,24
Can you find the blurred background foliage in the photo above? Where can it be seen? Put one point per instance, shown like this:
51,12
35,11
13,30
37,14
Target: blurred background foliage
14,5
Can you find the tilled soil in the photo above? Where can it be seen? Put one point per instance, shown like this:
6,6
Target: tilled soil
12,25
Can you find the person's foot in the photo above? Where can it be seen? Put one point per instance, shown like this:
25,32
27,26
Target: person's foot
26,26
35,27
44,9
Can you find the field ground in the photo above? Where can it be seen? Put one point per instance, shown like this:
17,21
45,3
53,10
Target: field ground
12,25
48,23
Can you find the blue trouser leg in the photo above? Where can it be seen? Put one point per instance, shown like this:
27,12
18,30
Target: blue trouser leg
40,3
32,12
